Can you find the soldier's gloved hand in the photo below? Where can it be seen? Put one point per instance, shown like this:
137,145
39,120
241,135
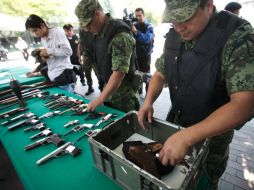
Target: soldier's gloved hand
175,148
145,113
94,104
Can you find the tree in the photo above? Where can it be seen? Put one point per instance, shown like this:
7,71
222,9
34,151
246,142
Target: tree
50,10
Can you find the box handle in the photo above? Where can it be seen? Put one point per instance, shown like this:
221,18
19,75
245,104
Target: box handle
105,156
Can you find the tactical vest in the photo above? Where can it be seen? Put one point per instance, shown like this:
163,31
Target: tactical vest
194,75
103,54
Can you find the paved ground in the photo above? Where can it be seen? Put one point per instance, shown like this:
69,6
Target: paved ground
239,174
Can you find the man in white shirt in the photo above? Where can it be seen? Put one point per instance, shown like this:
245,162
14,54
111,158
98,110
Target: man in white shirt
56,52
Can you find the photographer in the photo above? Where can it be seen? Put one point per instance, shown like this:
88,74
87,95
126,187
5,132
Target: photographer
56,52
41,69
144,35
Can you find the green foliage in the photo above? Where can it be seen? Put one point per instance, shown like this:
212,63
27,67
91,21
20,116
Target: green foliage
50,10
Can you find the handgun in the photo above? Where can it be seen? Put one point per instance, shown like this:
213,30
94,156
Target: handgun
29,121
44,133
55,139
67,148
39,127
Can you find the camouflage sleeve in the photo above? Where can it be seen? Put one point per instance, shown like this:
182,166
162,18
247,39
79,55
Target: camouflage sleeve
238,60
121,48
159,64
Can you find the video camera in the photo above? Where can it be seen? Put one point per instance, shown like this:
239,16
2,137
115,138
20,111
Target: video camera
36,54
129,18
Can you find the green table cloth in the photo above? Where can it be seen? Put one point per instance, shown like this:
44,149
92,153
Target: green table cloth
63,173
19,74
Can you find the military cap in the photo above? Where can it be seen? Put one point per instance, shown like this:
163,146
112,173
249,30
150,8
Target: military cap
179,10
233,6
85,10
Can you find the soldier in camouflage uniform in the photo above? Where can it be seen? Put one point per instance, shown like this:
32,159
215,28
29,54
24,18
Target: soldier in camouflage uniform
87,52
114,47
208,62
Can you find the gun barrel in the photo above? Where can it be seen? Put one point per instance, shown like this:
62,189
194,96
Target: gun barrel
58,152
36,144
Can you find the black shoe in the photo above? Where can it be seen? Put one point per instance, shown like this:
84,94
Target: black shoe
140,91
89,91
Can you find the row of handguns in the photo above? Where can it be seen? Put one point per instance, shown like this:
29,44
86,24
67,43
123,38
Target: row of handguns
30,118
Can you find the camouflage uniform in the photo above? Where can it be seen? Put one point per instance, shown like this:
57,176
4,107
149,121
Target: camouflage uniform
88,57
237,70
125,98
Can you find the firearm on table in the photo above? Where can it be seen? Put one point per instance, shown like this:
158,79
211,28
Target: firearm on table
39,85
55,139
12,112
29,121
52,98
16,87
39,127
49,114
22,116
24,92
44,133
70,123
106,118
79,128
37,93
89,133
77,107
67,148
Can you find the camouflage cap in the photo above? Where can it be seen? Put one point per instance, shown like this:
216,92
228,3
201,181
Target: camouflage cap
85,11
179,10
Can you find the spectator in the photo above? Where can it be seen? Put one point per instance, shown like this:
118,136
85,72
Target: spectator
75,57
233,7
56,52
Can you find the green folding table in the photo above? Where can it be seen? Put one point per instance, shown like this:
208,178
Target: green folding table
19,74
65,172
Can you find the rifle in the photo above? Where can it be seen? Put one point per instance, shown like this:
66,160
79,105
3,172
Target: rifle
11,97
13,112
24,115
67,148
55,139
45,133
39,126
39,85
29,121
35,94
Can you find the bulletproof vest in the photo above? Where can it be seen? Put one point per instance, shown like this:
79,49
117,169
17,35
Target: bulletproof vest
194,74
103,57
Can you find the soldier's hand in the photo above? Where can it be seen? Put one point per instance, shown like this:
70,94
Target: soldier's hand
93,105
145,113
174,149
